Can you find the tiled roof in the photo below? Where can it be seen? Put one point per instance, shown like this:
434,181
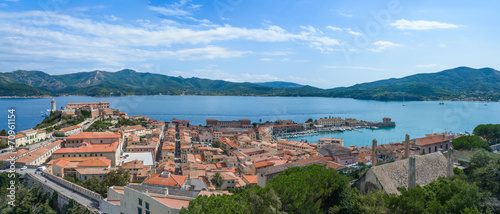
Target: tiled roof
94,171
91,148
171,180
94,135
251,179
135,164
173,203
263,164
96,162
433,139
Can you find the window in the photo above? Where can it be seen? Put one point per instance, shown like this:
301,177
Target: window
435,148
441,146
430,151
446,146
147,206
140,201
139,210
147,212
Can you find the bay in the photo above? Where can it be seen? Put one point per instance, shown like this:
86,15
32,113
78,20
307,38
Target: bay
416,118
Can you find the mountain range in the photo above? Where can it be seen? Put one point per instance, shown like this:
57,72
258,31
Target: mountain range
456,83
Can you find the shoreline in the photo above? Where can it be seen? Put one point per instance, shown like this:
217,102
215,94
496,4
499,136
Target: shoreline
47,96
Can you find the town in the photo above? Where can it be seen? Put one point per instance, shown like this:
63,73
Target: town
168,164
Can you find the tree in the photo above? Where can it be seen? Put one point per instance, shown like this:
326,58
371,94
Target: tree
4,133
54,203
488,178
120,177
441,196
253,200
470,142
491,132
310,120
480,159
95,185
372,203
313,189
217,180
216,144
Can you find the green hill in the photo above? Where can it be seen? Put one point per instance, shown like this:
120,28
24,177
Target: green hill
461,82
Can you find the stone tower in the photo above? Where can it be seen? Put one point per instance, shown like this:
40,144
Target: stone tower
407,146
52,105
374,153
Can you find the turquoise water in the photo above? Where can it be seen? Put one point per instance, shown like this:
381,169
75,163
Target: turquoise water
415,118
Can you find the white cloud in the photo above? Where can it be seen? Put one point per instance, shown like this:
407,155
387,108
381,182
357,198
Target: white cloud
63,38
266,59
111,18
3,5
350,31
12,0
426,66
83,9
353,68
345,14
169,11
422,25
383,45
333,28
181,8
309,28
147,65
442,45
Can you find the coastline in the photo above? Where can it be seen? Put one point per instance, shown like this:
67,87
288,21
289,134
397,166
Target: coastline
215,95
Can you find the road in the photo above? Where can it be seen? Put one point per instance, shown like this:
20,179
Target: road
68,192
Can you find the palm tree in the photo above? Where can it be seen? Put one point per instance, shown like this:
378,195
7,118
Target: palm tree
217,180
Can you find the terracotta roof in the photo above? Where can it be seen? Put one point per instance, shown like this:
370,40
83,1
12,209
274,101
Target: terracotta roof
94,135
68,128
168,147
91,148
233,170
263,164
171,180
251,179
96,162
433,139
94,171
335,165
135,164
174,203
61,162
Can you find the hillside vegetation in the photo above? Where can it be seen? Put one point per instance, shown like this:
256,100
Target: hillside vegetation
457,83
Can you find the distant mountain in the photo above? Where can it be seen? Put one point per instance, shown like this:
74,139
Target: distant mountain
130,82
280,84
461,82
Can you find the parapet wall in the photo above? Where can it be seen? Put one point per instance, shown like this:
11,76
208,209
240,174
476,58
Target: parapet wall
84,191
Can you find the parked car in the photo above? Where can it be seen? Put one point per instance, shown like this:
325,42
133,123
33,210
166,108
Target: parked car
23,168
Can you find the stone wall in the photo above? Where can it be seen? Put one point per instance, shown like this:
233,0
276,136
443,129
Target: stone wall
86,192
61,199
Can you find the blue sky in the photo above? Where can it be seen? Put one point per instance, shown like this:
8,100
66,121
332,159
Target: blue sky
315,42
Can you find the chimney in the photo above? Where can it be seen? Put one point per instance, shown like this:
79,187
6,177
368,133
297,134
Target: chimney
450,163
374,153
407,146
411,172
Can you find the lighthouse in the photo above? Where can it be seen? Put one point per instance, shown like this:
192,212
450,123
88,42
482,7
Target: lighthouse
53,105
